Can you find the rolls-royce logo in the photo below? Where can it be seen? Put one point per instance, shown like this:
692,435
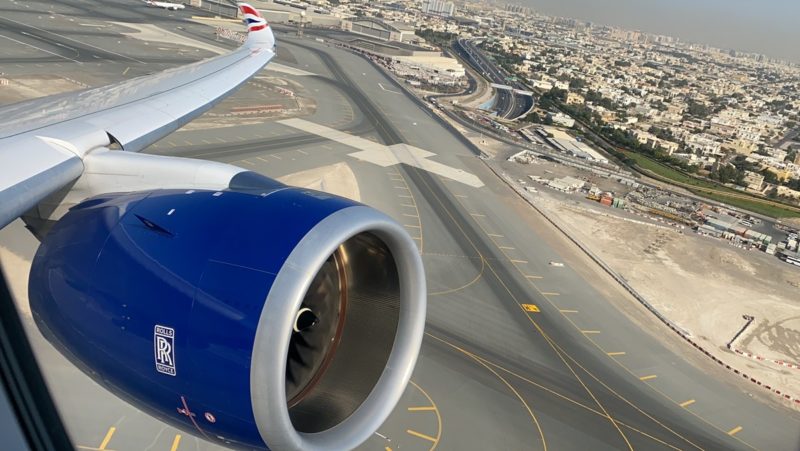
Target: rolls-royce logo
164,347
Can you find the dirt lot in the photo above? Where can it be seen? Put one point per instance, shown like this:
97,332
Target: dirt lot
704,285
549,170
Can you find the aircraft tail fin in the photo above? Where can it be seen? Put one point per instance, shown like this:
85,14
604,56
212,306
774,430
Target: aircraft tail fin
259,33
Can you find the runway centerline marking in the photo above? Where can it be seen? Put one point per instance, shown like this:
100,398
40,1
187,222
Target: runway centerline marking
494,235
471,282
435,411
687,403
648,377
107,438
513,390
39,48
568,311
519,261
550,293
419,409
175,443
735,430
562,355
623,398
421,435
548,390
528,276
590,332
86,43
614,354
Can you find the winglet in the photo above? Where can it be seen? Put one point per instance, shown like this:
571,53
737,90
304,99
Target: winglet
259,34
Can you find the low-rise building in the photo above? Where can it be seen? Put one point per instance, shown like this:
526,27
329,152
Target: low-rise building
542,84
754,180
379,29
561,119
575,99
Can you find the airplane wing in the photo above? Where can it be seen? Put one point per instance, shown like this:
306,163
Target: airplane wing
241,310
46,140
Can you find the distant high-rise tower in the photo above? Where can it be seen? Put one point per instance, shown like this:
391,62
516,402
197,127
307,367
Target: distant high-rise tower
438,7
518,9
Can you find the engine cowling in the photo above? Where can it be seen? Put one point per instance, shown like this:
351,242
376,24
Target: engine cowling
270,317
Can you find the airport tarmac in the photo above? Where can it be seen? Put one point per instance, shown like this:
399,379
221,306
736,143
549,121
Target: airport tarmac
519,354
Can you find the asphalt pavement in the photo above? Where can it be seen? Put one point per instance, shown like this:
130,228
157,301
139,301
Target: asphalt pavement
519,354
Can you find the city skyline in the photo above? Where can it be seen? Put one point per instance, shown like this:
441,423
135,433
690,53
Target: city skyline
766,27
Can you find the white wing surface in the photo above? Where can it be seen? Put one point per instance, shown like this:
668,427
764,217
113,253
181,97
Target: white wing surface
43,142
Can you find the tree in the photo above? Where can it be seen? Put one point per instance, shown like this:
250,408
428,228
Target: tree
559,94
533,117
576,84
698,110
727,174
769,176
772,193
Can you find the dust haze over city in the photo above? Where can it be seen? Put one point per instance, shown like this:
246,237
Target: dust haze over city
389,225
768,26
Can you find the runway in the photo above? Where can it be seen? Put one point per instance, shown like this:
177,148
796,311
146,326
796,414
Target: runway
518,354
568,338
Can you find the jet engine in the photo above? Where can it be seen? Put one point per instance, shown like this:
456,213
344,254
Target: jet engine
261,316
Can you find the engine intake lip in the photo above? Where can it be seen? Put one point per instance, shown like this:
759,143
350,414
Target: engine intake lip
268,369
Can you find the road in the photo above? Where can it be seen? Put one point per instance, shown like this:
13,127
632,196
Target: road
479,228
509,105
519,354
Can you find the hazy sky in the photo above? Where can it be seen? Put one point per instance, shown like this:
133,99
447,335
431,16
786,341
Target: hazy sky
771,27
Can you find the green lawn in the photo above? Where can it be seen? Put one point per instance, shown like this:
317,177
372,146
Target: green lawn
671,174
751,205
665,171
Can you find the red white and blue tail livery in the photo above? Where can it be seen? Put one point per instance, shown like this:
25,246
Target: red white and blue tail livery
247,312
258,29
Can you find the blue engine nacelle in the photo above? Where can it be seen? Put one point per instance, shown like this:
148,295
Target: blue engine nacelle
271,317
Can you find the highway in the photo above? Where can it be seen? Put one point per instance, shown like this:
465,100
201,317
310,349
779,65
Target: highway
487,230
508,105
519,354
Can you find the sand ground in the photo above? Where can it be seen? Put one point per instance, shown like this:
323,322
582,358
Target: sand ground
704,285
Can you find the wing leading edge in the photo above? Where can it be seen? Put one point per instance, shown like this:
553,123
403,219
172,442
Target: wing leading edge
43,141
